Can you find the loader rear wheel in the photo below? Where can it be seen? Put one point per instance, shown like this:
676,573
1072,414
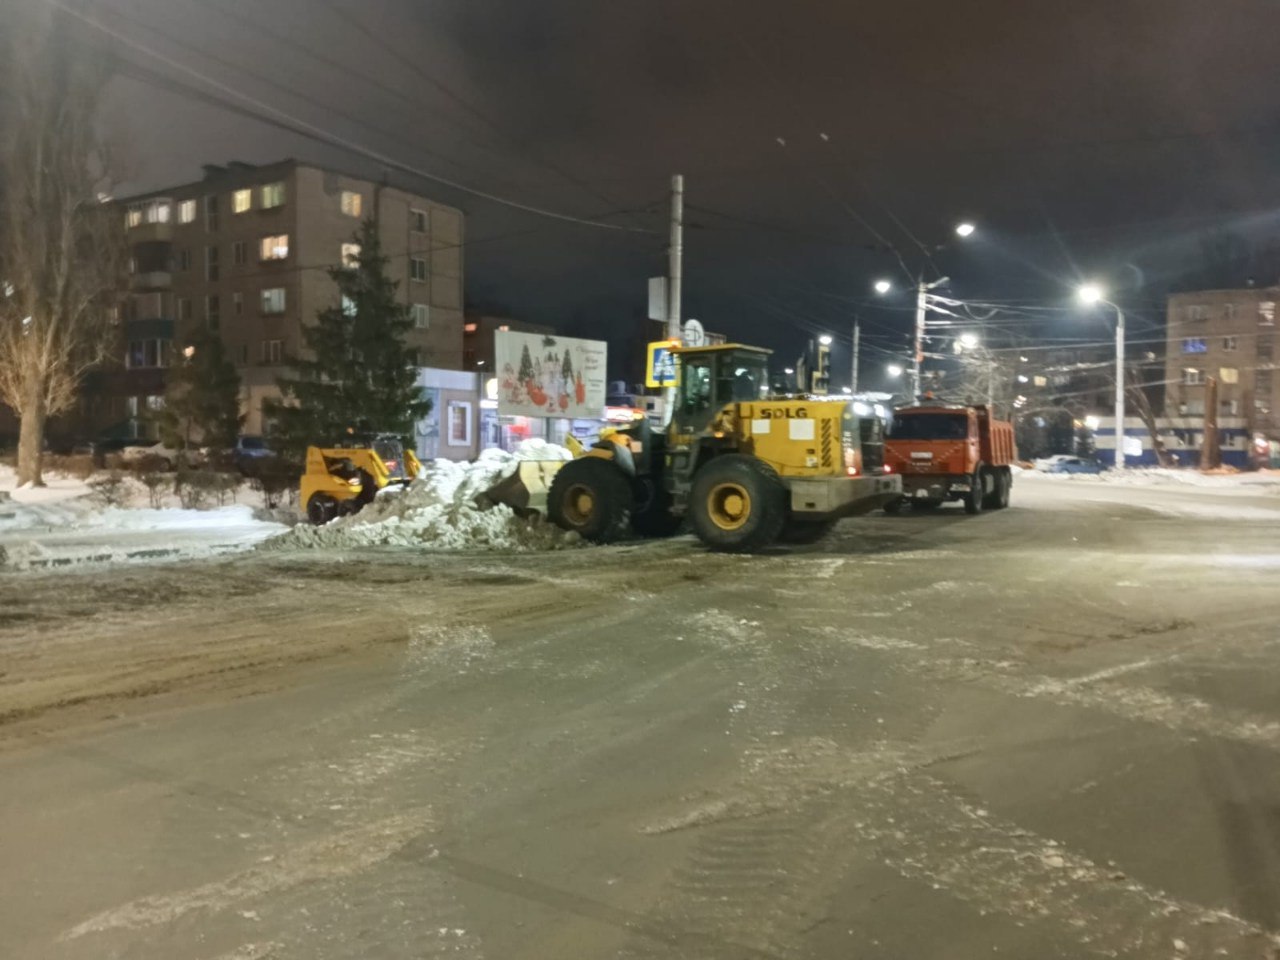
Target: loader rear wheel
651,514
321,508
737,504
796,530
592,498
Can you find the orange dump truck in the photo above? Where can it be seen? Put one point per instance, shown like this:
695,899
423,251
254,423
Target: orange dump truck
950,452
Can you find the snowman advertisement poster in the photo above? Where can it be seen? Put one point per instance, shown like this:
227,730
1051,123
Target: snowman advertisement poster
548,376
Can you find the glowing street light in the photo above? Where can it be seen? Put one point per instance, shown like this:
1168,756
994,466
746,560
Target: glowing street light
1091,294
968,340
825,339
965,229
894,370
883,286
789,371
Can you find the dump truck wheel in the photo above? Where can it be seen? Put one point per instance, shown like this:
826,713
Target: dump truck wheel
894,507
976,498
737,504
1006,488
321,508
592,498
651,514
796,530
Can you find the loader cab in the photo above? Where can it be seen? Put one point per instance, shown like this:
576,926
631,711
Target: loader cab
711,378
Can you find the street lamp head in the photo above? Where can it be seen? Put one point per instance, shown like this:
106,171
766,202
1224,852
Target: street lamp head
968,340
965,229
883,286
789,371
825,339
894,370
1091,293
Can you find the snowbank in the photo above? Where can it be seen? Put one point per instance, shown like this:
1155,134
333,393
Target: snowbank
438,512
1255,483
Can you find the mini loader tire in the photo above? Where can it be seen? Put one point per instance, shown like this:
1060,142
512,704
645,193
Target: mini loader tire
321,508
592,497
737,504
805,531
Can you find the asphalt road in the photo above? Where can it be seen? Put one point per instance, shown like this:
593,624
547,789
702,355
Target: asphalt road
1048,732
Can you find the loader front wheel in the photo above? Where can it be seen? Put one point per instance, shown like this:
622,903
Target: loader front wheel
737,504
321,508
592,498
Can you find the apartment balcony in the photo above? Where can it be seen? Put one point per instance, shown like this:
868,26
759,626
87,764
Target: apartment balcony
152,280
151,328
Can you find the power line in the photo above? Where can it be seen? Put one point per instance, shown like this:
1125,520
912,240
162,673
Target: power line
304,128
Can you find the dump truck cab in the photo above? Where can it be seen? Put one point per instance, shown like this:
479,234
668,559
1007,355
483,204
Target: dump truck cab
948,451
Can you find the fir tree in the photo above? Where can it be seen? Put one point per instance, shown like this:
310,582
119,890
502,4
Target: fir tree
526,365
202,398
566,369
355,372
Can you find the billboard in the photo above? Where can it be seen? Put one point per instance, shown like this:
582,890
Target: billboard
549,376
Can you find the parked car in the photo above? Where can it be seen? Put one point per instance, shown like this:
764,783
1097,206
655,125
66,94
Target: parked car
1074,465
1044,463
248,451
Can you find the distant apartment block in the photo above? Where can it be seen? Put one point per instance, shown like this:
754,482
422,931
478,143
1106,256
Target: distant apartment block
245,252
1230,335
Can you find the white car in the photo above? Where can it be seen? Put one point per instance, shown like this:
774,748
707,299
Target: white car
1045,464
163,454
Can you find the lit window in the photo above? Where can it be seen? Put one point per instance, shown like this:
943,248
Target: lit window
240,252
155,401
350,255
133,216
469,327
417,268
274,247
421,316
1229,343
1229,374
273,300
1194,345
504,327
1267,313
271,195
1192,377
418,221
186,211
351,203
348,306
241,201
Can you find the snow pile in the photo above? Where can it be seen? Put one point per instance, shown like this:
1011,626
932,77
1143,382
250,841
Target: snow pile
1256,482
438,512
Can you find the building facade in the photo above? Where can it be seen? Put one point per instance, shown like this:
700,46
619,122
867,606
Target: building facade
1228,335
477,337
246,252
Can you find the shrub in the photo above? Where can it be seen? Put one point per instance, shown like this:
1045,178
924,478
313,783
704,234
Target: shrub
154,482
151,463
78,465
225,487
111,490
276,479
195,487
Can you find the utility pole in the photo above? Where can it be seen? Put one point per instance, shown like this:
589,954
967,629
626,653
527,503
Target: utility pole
857,343
1210,451
675,274
1119,459
675,258
921,292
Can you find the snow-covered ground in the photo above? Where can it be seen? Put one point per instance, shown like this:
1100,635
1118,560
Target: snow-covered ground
1240,497
439,512
61,525
1256,483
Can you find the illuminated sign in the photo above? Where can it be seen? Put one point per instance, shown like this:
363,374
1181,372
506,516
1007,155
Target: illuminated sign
660,369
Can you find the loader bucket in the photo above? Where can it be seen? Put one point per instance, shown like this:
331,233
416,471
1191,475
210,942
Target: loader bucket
525,490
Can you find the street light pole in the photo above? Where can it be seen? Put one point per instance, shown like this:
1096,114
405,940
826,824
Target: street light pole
918,356
1119,462
857,336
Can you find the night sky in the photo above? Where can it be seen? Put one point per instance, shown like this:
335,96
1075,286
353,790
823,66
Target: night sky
1093,137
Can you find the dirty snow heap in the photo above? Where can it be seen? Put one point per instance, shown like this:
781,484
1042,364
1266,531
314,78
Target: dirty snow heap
438,512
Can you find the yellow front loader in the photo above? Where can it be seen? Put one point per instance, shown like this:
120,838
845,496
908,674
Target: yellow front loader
745,469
